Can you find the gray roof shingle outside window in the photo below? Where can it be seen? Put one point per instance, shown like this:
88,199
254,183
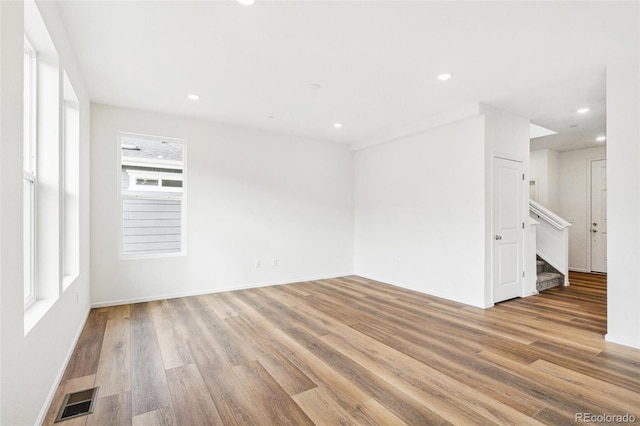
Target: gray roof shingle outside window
150,148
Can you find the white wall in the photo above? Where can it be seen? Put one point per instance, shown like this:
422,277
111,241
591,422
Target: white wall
545,169
553,188
538,171
413,199
574,202
251,195
32,364
623,188
423,205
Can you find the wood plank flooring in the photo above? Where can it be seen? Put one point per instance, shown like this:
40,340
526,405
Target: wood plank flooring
353,351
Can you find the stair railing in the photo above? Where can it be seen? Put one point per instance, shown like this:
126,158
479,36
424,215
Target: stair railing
552,238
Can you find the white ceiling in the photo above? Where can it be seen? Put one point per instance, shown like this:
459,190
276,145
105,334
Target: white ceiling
376,62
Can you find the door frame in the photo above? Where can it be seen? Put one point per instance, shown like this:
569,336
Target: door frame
587,229
489,293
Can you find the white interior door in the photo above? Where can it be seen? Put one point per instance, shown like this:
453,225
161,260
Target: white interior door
599,216
508,233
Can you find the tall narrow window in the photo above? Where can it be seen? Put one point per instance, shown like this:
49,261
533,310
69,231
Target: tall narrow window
42,169
152,186
29,172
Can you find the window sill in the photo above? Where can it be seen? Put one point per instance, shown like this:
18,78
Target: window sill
34,313
151,255
67,280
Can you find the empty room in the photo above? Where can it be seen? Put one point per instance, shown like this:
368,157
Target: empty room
319,212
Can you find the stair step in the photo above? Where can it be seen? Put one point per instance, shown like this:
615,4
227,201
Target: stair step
549,279
546,276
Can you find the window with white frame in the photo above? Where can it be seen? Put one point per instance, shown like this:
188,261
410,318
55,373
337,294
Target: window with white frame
152,195
51,166
29,172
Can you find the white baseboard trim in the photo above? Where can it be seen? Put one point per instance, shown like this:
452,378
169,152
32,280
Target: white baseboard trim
626,341
56,382
579,270
399,284
208,291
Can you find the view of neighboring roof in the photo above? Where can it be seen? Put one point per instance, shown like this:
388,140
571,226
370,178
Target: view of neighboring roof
139,147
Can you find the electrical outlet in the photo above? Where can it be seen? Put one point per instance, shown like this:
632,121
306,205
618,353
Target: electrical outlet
274,262
258,264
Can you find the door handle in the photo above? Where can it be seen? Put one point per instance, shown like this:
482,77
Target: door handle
498,237
594,231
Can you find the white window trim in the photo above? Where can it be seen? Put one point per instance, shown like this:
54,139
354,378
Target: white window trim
30,243
151,162
29,175
134,175
31,126
151,197
124,161
70,143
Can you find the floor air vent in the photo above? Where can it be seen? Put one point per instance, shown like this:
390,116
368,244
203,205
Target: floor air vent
77,404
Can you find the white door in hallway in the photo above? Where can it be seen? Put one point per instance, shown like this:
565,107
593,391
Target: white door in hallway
508,233
598,226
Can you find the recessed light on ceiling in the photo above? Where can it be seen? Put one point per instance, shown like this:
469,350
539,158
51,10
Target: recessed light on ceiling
337,125
193,96
573,126
246,2
444,76
601,138
160,156
582,110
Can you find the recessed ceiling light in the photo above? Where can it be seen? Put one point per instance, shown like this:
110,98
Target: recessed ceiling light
246,2
445,76
582,110
160,156
193,97
337,125
601,138
573,126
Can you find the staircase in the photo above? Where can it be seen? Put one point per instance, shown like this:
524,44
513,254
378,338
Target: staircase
548,276
551,235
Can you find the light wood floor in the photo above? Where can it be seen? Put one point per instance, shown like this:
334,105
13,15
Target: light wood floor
353,351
